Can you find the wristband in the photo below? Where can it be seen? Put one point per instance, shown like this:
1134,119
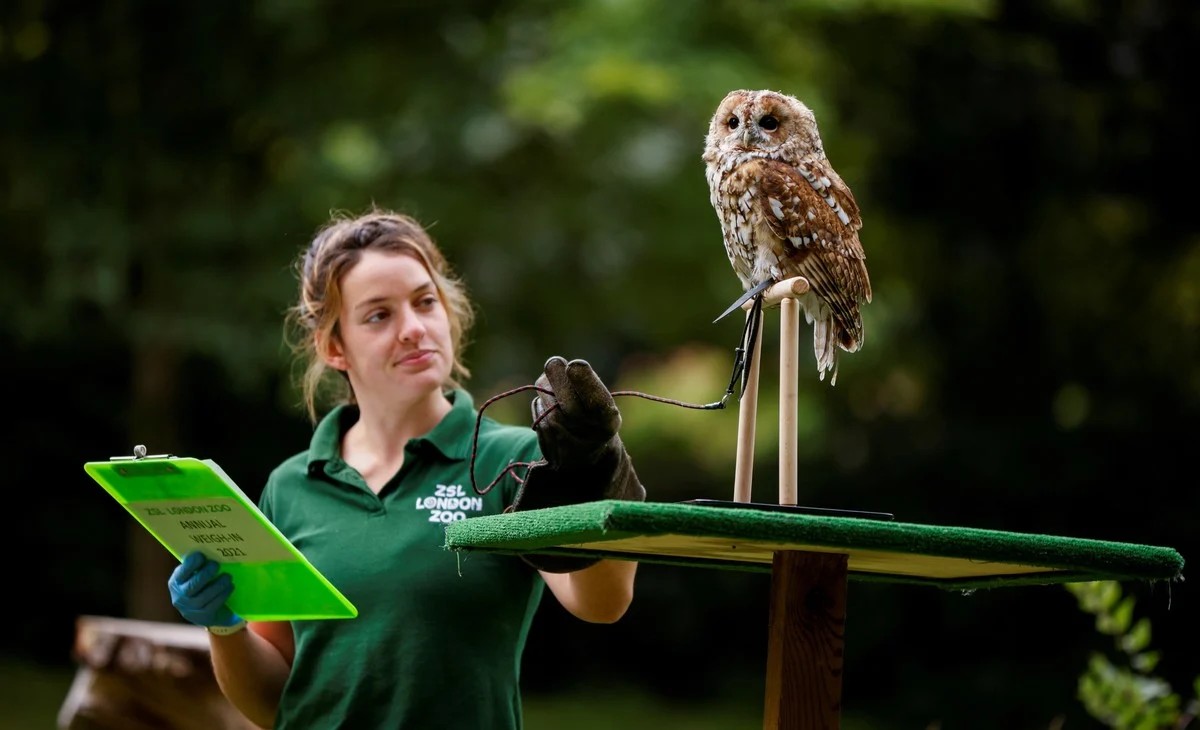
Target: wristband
227,630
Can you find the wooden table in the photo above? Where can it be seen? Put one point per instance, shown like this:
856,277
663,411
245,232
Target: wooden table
811,559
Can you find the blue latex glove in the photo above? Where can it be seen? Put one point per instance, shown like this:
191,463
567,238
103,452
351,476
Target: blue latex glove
199,594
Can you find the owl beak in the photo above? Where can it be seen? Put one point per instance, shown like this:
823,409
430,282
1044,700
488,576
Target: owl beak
747,134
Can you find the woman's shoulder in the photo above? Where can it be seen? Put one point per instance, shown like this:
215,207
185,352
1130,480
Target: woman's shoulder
496,429
291,470
493,434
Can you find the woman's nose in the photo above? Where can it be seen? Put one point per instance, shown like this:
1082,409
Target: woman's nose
412,329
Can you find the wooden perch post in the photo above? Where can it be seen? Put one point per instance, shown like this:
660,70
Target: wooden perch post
789,394
743,469
783,294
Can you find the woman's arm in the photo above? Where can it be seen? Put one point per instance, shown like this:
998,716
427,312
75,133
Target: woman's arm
252,666
599,594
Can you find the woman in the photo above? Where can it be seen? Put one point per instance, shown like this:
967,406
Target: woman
438,639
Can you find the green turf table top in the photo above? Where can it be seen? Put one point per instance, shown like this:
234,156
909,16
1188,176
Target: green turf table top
882,551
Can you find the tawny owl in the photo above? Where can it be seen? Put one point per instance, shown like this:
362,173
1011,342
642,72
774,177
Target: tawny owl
785,212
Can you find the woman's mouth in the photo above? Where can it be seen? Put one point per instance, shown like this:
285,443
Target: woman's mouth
420,357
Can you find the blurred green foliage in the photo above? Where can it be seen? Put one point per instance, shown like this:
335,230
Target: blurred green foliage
1127,694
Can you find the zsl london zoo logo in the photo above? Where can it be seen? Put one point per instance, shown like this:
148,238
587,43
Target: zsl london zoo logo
449,503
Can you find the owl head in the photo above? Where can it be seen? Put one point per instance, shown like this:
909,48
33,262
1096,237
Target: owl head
766,123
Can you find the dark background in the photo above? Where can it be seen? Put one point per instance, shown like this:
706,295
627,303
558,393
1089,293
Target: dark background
1024,171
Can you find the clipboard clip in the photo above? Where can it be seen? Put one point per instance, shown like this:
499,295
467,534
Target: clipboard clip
139,453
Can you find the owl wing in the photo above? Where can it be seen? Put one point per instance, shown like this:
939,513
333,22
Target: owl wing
815,221
809,209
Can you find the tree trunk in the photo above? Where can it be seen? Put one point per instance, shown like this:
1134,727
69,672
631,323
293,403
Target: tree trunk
153,421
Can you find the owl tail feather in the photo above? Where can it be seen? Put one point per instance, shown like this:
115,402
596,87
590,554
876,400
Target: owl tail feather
825,346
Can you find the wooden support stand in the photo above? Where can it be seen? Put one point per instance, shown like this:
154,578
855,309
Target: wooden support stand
805,649
808,590
783,295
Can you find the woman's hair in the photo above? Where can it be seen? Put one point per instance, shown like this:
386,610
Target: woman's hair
334,250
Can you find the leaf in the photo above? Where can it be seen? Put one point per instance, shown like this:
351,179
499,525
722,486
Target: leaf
1109,593
1145,662
1122,615
1137,638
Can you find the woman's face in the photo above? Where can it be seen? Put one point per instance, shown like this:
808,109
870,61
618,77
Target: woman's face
394,330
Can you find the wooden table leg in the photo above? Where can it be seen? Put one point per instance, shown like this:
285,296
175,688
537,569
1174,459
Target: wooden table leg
806,643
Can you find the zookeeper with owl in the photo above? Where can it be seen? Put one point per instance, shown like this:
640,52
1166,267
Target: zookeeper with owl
380,307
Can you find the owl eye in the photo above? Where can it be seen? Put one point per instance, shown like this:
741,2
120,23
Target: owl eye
733,122
769,123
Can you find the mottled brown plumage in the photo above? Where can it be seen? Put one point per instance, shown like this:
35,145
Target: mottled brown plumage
785,212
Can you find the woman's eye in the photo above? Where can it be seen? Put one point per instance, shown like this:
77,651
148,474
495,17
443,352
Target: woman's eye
376,316
733,122
427,302
769,123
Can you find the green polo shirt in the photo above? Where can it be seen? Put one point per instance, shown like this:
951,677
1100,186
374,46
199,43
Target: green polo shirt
439,635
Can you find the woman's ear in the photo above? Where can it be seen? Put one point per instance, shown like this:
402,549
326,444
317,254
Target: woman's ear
331,351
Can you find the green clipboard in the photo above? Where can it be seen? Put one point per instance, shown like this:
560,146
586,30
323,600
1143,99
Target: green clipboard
191,504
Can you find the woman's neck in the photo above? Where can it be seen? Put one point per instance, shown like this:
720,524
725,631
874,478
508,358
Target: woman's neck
383,429
374,445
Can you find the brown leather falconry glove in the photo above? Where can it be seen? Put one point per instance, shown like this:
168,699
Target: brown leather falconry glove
586,460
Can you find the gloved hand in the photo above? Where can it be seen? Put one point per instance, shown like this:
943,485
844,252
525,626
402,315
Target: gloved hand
199,594
586,460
